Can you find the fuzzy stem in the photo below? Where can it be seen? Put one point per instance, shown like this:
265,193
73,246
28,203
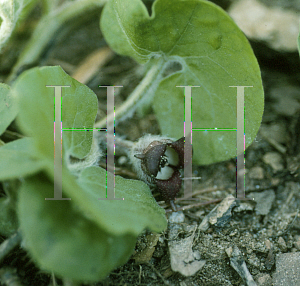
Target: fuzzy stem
127,144
48,26
147,85
9,244
9,14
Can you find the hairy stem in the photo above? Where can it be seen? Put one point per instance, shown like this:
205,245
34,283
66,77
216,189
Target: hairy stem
146,88
9,14
9,244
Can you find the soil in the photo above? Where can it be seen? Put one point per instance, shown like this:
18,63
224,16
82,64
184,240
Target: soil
272,169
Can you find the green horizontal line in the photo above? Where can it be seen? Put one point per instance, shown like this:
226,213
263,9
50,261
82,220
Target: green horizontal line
212,129
78,129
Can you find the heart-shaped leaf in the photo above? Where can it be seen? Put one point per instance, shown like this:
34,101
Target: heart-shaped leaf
213,53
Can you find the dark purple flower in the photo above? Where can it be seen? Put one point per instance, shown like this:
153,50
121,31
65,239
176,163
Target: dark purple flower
162,163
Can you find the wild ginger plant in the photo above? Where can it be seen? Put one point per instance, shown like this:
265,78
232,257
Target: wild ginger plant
81,236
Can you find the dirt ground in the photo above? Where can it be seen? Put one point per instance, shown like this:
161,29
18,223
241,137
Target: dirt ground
262,231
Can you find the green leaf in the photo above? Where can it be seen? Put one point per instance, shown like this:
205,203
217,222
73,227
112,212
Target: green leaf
8,108
136,212
139,210
213,53
79,109
62,240
19,159
84,238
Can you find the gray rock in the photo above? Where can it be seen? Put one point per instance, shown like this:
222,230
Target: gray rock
287,269
263,201
238,264
219,215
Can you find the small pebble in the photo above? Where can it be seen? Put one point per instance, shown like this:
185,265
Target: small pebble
263,279
297,243
268,244
256,173
229,251
282,244
274,160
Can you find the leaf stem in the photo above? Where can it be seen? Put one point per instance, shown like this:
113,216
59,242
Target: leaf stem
9,244
12,135
9,13
146,88
46,29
